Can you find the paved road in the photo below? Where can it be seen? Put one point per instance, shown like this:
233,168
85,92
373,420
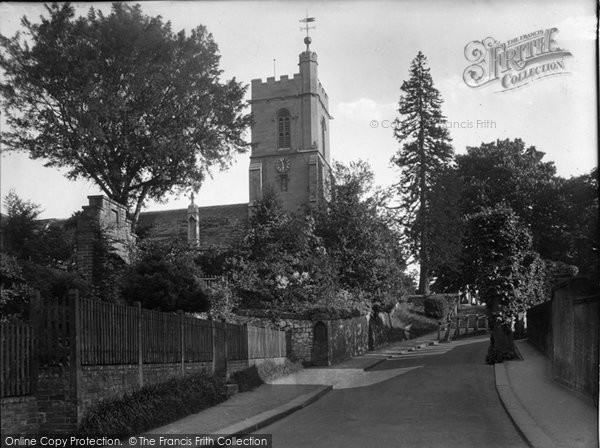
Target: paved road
442,396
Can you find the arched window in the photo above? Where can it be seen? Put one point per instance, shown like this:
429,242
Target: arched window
323,130
284,139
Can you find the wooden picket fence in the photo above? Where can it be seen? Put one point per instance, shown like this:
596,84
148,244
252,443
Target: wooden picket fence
266,343
16,348
84,332
465,324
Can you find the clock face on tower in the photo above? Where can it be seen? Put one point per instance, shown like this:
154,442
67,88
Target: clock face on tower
282,165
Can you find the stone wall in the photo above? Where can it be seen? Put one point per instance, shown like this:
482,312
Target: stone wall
349,337
20,415
113,381
344,337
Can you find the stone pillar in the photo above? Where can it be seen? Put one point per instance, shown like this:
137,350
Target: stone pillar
193,223
102,215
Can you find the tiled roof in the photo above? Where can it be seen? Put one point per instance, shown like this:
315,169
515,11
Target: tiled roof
218,224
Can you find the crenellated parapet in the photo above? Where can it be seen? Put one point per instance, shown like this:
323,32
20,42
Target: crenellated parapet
272,87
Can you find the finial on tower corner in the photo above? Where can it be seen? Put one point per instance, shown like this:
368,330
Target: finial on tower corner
306,27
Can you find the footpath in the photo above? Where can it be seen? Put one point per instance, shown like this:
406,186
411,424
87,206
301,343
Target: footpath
547,414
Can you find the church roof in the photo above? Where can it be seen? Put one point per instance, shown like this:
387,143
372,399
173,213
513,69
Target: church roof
218,223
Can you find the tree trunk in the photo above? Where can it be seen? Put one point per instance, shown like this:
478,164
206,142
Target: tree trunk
138,209
502,344
423,280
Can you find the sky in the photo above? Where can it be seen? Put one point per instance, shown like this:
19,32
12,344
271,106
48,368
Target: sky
365,49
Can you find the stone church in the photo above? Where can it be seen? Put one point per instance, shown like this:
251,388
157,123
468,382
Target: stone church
290,154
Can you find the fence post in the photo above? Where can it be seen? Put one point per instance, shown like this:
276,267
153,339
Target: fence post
140,354
182,340
75,349
35,304
246,343
214,346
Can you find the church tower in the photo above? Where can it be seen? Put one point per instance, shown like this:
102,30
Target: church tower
290,137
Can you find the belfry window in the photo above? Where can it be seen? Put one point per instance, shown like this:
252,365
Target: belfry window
283,182
284,139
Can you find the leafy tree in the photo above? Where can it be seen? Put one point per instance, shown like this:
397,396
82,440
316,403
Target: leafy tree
13,290
445,233
425,149
579,223
38,255
508,275
507,172
20,228
360,236
561,214
120,99
280,264
165,277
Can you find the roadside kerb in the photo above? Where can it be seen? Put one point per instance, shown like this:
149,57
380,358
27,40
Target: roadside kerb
529,429
266,418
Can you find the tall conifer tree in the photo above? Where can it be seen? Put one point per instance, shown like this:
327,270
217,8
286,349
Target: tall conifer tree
425,149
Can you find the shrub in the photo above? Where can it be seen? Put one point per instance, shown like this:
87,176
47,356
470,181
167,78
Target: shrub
222,301
436,307
247,379
165,277
154,405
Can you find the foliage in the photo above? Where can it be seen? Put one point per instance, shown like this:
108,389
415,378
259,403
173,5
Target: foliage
579,223
341,304
507,172
13,289
222,302
499,251
20,228
107,267
120,99
280,263
509,276
445,232
39,255
435,306
247,379
163,276
153,406
425,149
51,281
213,260
339,261
360,236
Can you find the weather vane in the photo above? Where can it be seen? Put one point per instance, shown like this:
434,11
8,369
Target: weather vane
306,27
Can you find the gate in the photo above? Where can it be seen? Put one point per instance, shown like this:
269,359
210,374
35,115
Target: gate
219,348
320,351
